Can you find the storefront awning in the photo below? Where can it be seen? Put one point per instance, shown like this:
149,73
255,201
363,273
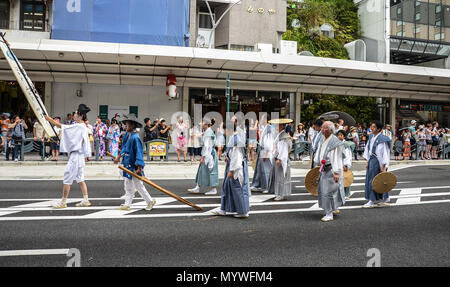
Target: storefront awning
130,64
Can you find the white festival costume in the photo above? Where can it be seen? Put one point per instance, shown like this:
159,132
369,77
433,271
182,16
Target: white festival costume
75,142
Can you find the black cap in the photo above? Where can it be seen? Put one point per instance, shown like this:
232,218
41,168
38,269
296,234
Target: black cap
83,110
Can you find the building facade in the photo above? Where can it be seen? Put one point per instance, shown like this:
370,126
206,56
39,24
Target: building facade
94,52
247,25
413,33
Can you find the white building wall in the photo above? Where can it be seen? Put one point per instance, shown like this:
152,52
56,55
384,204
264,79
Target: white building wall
152,102
372,16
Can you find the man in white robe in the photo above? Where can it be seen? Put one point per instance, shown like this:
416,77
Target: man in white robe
329,157
208,171
317,125
378,153
264,161
280,176
75,142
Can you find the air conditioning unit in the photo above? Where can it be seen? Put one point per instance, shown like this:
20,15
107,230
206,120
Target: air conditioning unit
288,48
265,49
356,50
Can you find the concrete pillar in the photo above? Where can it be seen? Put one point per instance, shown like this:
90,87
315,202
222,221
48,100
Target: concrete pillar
292,104
185,99
48,97
298,107
392,110
193,22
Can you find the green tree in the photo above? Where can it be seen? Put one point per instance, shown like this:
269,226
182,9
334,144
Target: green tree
342,15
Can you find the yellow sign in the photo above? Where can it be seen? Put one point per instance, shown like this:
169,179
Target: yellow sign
157,149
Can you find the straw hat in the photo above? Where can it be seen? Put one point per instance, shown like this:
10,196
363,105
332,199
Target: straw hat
312,181
384,182
348,178
132,118
280,121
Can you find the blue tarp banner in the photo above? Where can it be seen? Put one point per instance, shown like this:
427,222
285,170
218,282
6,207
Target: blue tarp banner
156,22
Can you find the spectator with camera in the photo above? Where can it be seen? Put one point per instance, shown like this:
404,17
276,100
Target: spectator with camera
17,135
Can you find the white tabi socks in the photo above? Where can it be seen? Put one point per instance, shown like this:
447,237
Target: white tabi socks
195,189
212,192
328,217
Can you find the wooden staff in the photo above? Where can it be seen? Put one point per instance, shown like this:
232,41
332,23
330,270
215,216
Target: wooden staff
151,183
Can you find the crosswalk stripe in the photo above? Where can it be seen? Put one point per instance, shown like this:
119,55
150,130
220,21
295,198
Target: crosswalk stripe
362,184
409,195
192,214
34,252
47,203
3,213
257,200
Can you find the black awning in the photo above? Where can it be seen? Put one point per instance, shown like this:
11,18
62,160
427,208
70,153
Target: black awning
413,51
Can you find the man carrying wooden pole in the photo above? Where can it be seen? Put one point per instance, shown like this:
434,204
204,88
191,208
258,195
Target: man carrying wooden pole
133,165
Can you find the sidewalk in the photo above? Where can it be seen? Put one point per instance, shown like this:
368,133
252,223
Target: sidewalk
107,170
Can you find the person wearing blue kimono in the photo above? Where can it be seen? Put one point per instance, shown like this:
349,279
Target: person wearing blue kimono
378,153
132,155
208,170
235,188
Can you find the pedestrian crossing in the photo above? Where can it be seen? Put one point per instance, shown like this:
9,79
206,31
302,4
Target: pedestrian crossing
167,207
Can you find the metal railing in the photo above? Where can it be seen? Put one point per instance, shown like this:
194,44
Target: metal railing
302,147
4,23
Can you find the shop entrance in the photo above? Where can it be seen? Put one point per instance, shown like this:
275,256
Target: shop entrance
245,101
13,101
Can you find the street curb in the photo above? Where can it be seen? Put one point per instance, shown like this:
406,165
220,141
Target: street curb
294,164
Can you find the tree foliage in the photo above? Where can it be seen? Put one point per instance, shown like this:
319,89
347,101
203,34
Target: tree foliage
342,15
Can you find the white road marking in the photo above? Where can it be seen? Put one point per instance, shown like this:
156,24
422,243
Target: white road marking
47,203
193,214
409,195
260,198
3,213
256,200
110,213
34,252
363,184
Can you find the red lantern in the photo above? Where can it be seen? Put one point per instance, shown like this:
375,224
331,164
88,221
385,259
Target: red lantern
171,86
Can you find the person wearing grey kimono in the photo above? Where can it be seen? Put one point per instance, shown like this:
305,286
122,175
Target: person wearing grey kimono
235,191
329,158
208,171
264,160
280,176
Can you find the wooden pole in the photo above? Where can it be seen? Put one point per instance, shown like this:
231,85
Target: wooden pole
151,183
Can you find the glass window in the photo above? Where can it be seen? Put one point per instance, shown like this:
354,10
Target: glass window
399,23
417,3
401,33
439,36
204,21
438,9
438,23
4,14
33,15
417,16
417,30
399,10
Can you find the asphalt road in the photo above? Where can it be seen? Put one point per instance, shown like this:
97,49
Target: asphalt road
416,234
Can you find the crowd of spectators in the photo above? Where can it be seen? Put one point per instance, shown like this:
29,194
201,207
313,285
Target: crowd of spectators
424,141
